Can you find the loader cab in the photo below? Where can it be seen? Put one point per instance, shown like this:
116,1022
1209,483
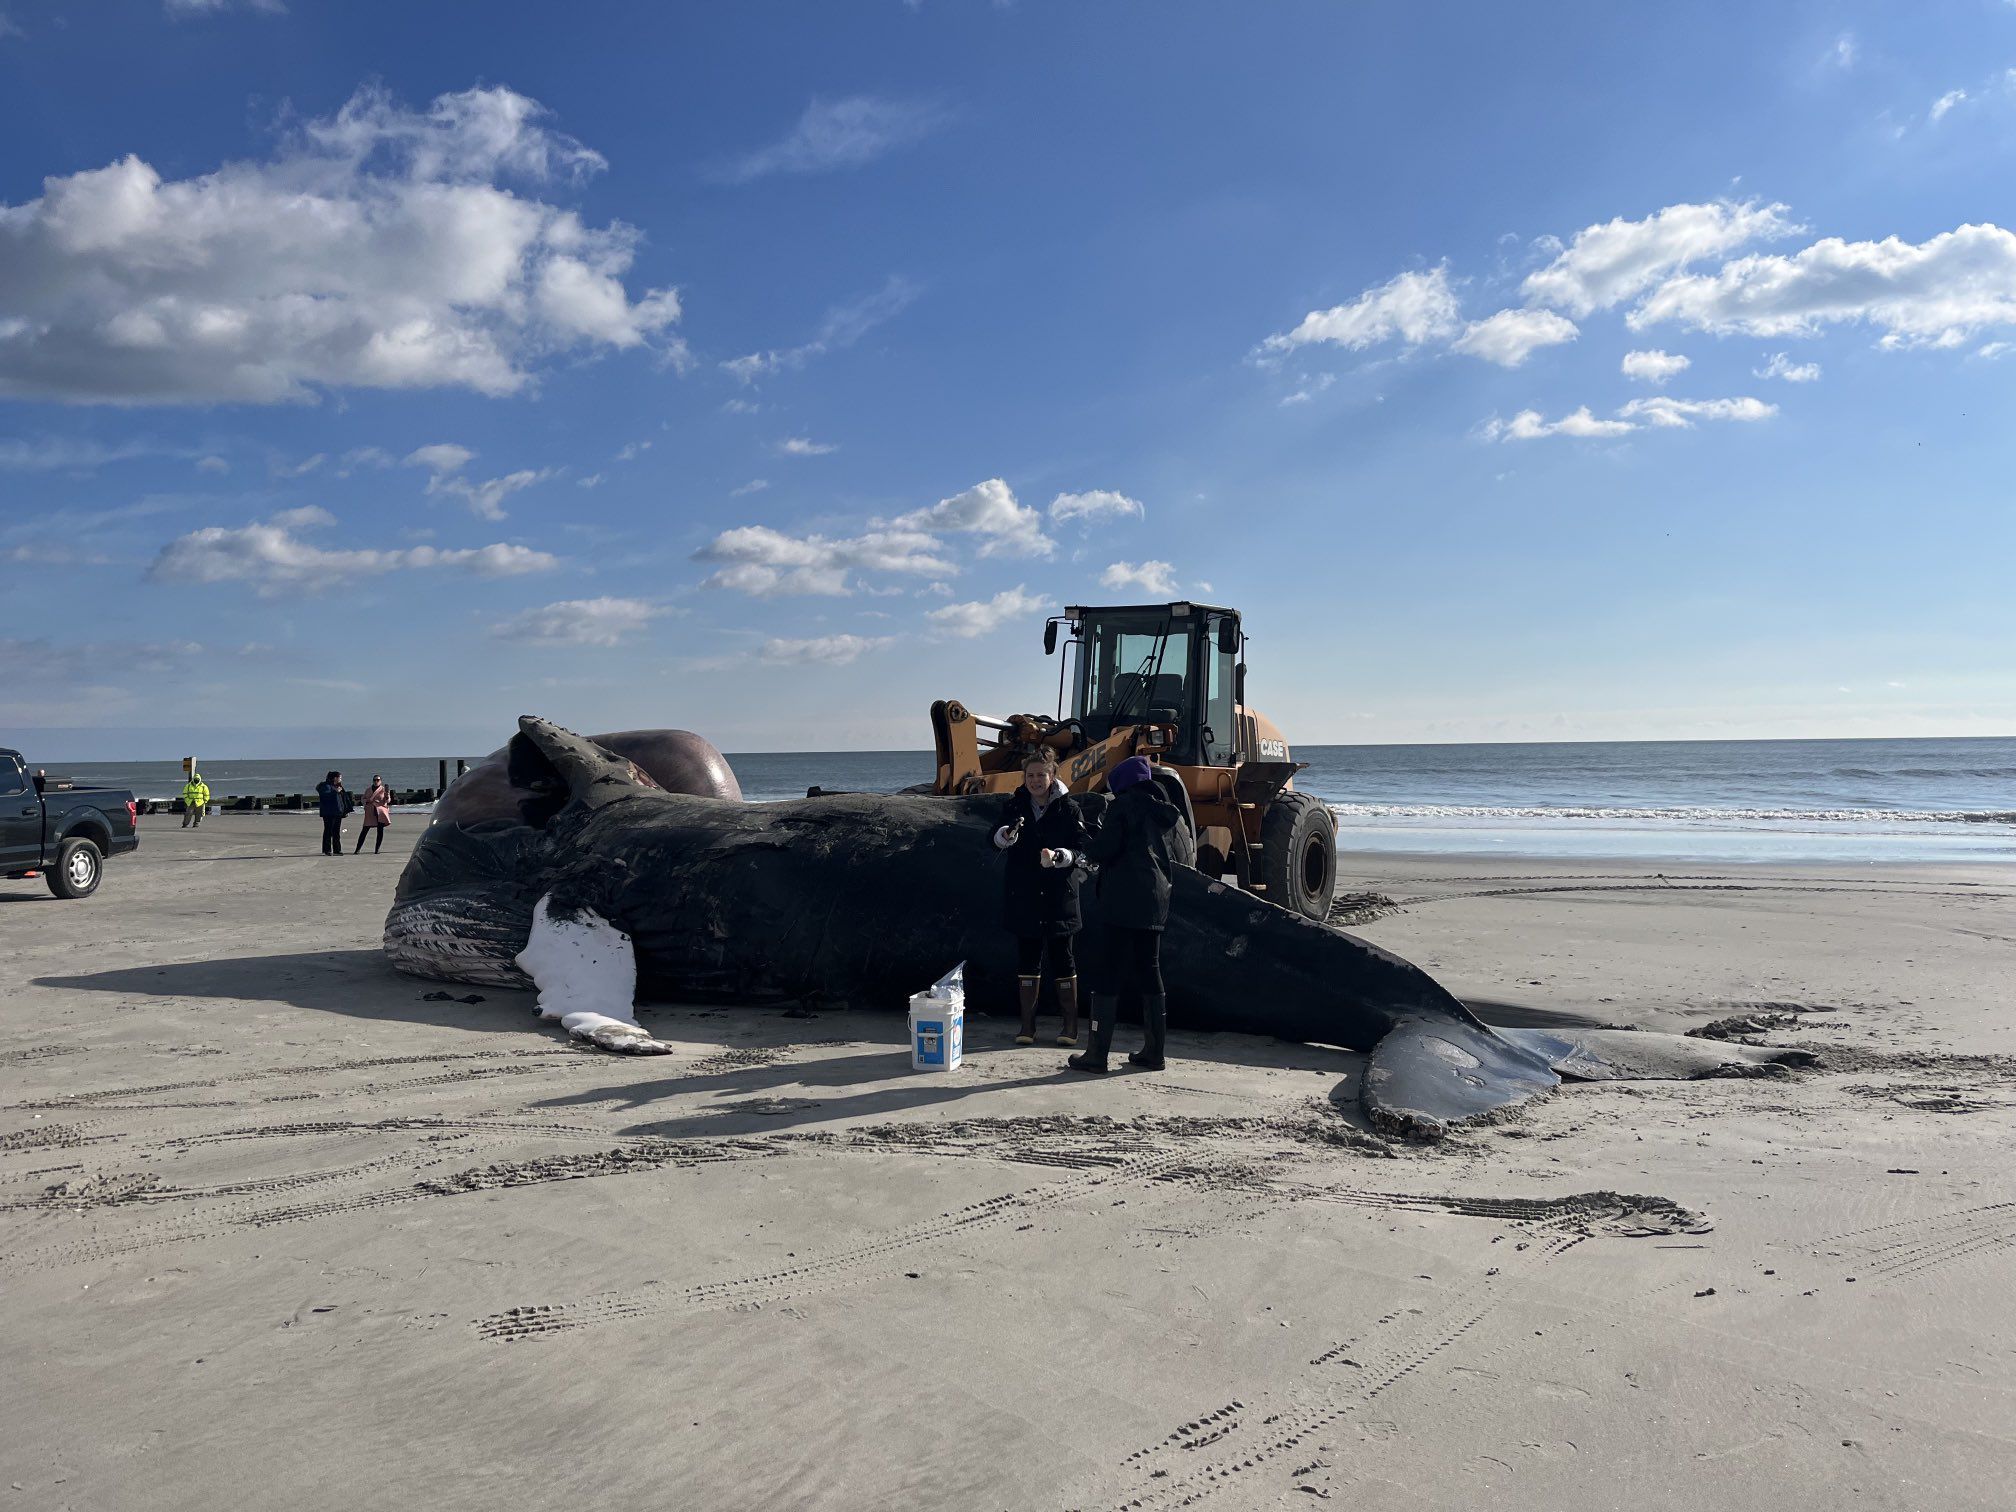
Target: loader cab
1158,664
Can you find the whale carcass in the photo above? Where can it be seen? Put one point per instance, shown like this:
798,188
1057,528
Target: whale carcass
606,887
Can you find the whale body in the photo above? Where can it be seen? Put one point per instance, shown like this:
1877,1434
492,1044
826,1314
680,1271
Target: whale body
620,889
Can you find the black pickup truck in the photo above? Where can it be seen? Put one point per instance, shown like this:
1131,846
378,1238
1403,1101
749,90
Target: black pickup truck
64,833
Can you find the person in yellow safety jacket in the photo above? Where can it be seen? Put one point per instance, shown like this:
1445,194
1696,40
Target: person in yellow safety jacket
195,800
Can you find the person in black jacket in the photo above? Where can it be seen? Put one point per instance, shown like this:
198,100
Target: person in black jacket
1042,833
334,805
1132,847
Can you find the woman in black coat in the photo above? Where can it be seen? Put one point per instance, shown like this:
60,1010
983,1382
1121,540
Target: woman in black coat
1042,832
1132,847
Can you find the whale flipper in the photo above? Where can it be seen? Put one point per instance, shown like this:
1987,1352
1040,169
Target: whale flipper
1430,1073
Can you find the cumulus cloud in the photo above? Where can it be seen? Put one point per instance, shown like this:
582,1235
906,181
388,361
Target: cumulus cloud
990,511
1680,414
1414,308
1602,266
767,563
580,622
1653,366
1938,292
843,326
1095,504
274,560
1782,366
973,619
1511,336
445,461
1531,425
1157,579
1658,411
378,248
823,650
804,446
1946,102
835,134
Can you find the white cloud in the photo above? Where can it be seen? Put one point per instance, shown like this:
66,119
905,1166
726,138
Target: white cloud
804,446
1415,308
1653,366
766,563
973,619
740,406
212,465
184,9
754,485
990,511
274,560
843,326
834,134
1157,579
1946,102
299,469
1842,54
1095,504
1605,265
1310,390
580,622
1932,293
1782,366
364,456
376,249
1658,411
1511,336
445,461
1530,425
1680,414
823,650
593,480
633,451
441,457
307,517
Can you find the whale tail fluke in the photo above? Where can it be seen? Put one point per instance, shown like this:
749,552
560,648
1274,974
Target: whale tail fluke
567,768
1428,1074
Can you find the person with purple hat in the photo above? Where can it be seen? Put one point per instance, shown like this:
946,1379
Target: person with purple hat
1132,847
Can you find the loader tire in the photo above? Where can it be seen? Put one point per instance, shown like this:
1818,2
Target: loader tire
1298,854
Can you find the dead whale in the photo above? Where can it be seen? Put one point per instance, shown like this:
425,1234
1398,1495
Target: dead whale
622,889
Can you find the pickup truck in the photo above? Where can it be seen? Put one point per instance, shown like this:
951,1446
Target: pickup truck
65,833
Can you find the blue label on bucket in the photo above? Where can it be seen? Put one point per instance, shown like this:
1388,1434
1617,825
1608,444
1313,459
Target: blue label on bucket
931,1041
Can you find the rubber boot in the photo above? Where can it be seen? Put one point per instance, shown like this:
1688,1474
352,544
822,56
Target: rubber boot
1030,989
1154,1034
1067,1005
1104,1010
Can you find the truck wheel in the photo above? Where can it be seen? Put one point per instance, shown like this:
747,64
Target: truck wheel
79,865
1298,854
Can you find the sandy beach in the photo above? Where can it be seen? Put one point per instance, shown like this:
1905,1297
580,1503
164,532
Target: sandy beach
279,1231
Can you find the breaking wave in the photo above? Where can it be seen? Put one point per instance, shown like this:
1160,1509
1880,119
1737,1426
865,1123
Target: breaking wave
1675,815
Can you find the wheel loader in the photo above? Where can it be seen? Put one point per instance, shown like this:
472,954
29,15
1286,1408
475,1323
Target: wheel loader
1165,681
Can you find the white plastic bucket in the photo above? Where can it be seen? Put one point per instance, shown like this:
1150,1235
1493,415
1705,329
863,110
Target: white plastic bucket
938,1024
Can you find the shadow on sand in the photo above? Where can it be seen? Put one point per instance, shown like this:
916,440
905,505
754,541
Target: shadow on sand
745,1097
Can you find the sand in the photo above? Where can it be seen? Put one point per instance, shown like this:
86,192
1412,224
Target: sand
276,1231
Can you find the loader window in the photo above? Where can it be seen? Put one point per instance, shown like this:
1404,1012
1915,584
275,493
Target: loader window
1133,670
1219,739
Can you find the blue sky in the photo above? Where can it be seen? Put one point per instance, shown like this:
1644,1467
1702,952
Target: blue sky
370,374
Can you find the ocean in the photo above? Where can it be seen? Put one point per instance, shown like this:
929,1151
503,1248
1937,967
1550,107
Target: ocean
1709,800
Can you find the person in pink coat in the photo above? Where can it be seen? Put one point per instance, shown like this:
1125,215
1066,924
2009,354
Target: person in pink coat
377,813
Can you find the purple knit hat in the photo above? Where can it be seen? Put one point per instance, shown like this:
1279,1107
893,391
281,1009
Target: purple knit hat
1134,770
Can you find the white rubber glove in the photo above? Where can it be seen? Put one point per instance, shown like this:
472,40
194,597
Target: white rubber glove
1002,838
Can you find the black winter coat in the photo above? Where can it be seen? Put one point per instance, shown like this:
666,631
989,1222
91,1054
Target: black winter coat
1132,847
1038,901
